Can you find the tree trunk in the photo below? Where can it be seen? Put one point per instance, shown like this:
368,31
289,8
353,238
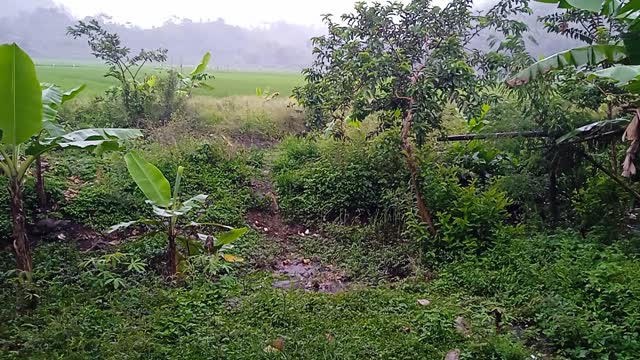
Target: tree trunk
553,191
172,260
40,187
21,244
423,211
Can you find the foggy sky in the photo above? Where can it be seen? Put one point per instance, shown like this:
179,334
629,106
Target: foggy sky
247,13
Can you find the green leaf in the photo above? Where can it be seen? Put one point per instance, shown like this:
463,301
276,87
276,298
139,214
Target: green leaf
593,130
52,128
230,236
149,179
631,6
202,66
71,94
101,139
589,5
632,45
195,201
51,101
121,226
167,213
20,96
193,246
622,74
588,55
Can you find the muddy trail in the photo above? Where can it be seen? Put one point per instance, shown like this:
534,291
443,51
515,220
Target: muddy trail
291,270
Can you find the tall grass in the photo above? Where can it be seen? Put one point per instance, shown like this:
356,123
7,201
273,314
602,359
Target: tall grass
240,120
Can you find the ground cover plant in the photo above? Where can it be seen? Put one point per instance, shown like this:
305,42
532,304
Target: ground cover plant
450,202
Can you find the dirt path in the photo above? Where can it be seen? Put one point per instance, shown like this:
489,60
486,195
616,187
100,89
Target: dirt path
291,269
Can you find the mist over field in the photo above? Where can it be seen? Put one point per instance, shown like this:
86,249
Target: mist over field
40,27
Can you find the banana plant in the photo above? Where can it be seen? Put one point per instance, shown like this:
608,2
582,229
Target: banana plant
170,210
53,97
618,61
624,53
21,124
196,78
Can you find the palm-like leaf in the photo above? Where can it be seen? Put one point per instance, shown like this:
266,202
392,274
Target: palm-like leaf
592,55
202,66
149,179
20,96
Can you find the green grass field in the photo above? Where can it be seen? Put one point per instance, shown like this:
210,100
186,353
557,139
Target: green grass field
226,83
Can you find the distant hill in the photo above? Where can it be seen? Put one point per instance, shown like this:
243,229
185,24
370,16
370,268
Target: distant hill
42,33
12,8
40,28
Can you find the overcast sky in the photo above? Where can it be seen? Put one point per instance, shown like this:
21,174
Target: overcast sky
248,13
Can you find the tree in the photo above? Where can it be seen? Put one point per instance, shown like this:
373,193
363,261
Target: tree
21,118
122,66
405,63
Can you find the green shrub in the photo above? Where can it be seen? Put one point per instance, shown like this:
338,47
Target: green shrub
104,203
580,298
468,218
102,111
602,208
332,178
112,197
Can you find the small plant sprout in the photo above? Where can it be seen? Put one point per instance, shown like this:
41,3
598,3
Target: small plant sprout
170,210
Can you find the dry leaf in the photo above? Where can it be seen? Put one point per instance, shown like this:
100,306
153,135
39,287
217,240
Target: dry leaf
330,339
453,355
278,344
631,134
270,349
232,258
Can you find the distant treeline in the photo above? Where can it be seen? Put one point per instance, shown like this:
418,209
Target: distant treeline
42,33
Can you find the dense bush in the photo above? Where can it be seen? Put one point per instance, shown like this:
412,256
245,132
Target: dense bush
580,298
602,209
111,197
469,218
334,178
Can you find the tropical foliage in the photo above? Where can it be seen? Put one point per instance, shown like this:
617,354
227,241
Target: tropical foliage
170,208
431,190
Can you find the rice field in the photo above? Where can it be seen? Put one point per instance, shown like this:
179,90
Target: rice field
225,83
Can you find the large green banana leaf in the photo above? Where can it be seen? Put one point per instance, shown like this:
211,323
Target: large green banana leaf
20,96
149,179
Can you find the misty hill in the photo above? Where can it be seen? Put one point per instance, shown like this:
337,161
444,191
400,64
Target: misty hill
40,29
42,33
14,8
